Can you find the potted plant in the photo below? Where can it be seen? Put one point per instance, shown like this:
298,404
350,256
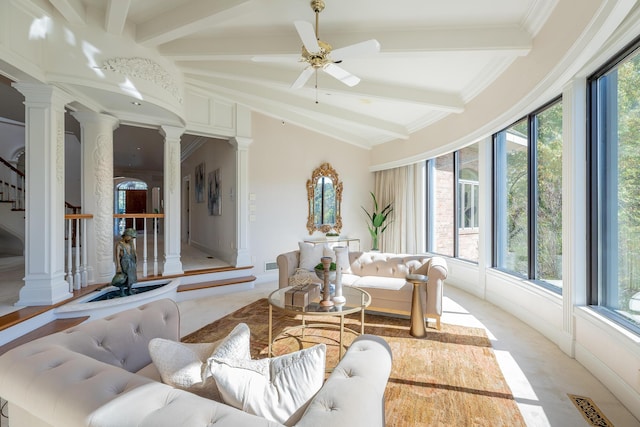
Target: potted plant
332,235
377,221
319,268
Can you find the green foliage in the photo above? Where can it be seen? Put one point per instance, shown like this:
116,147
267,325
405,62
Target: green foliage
627,211
320,266
549,201
548,204
377,220
324,202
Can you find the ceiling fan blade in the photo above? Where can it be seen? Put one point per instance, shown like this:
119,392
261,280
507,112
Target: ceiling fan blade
308,36
357,49
302,78
276,58
341,74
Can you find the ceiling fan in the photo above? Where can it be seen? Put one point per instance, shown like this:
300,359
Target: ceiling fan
319,55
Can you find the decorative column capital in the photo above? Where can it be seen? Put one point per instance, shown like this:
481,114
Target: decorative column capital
91,117
240,142
171,133
38,94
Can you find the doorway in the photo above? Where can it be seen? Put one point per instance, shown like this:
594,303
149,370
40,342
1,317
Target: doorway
131,198
135,202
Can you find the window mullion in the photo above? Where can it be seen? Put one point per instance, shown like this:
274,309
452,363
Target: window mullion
456,204
532,202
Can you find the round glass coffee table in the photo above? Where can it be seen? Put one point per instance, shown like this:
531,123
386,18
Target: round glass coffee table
356,301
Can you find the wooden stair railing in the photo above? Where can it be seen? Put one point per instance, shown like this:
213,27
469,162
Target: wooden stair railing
11,185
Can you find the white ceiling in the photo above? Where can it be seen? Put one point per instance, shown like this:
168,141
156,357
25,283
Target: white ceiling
435,55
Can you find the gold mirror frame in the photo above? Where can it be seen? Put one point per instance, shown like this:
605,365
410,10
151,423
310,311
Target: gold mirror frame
325,170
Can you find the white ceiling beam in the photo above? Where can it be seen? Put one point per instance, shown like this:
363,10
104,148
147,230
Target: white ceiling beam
72,10
297,103
439,100
318,124
443,101
505,40
116,16
187,19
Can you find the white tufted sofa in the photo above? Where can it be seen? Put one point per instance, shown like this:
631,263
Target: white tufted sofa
383,276
93,375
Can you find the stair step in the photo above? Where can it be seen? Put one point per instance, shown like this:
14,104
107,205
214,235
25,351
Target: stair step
48,329
216,283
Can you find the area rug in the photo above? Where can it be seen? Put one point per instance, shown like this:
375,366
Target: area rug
449,378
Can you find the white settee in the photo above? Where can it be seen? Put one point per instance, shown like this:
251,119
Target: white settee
91,375
383,276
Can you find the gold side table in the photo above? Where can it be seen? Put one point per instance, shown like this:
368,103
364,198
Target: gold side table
417,328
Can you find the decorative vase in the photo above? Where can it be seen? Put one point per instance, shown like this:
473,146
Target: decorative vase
338,298
326,291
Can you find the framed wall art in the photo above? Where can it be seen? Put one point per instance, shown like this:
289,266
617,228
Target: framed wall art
215,193
199,187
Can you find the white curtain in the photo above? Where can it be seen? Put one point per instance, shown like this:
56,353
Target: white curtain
403,187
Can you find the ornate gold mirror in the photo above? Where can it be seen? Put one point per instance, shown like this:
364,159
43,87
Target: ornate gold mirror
324,195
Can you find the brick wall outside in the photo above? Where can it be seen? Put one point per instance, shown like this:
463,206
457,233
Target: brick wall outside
468,239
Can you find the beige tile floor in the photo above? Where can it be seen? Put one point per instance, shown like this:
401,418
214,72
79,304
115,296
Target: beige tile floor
538,373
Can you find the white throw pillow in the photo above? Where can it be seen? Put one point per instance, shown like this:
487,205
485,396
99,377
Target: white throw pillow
310,255
184,365
277,388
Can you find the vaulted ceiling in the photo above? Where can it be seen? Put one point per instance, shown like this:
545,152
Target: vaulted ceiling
435,55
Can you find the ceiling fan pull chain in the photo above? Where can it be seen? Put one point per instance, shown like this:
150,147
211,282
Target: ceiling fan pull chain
316,85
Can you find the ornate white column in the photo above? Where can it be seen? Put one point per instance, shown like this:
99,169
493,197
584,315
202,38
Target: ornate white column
242,255
97,192
44,215
171,198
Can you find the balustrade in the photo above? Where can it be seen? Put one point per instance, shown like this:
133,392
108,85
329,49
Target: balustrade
76,236
152,219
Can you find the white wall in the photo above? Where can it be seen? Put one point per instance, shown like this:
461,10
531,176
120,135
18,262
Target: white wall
282,158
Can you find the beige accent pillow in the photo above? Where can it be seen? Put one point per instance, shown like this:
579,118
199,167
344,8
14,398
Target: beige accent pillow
184,365
310,255
278,389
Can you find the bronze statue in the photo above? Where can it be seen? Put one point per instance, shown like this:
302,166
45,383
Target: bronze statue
126,259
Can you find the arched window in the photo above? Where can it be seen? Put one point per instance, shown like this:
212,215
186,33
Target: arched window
19,158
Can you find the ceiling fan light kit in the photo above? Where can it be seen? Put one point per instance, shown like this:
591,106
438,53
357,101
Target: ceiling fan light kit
319,55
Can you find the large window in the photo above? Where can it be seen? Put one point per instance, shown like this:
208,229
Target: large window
468,203
453,195
528,197
511,157
615,187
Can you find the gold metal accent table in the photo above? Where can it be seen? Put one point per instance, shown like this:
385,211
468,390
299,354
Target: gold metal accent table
356,301
417,328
